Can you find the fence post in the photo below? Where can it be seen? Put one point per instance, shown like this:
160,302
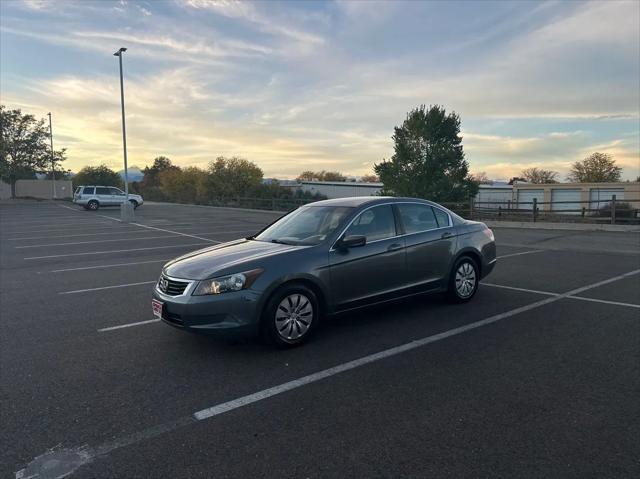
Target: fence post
584,211
470,207
499,211
535,209
613,210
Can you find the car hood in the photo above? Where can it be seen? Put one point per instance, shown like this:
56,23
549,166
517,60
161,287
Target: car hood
205,263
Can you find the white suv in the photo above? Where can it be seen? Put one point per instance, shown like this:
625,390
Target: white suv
93,197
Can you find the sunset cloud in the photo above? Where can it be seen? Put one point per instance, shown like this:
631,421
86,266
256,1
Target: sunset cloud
295,86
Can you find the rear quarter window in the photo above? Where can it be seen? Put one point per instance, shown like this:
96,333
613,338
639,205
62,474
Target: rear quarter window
88,190
442,217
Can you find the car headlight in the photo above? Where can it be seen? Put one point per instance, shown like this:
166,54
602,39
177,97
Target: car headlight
225,284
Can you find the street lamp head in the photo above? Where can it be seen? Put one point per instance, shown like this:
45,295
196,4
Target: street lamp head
119,52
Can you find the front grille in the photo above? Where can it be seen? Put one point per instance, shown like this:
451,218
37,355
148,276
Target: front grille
171,287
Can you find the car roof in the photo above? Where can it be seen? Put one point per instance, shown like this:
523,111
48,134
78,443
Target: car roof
357,201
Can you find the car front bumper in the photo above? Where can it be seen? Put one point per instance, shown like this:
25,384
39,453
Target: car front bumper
230,313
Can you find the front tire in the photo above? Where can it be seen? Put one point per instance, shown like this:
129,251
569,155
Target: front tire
134,203
291,315
463,280
93,205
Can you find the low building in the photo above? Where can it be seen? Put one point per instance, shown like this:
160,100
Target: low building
341,189
574,196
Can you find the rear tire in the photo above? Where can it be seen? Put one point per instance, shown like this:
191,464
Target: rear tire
463,280
93,205
290,317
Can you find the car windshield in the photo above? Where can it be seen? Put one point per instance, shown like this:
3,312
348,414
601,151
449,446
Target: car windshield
309,225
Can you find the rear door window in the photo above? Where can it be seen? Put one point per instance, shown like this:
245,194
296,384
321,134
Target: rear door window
103,191
88,190
417,217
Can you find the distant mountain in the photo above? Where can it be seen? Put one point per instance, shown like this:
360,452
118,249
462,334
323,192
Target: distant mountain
134,174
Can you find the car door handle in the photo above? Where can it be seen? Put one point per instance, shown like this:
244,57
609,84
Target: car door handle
446,234
394,247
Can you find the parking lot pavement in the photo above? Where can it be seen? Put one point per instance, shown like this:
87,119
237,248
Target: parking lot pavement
537,376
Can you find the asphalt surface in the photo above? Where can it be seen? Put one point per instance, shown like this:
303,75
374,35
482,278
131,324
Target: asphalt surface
524,382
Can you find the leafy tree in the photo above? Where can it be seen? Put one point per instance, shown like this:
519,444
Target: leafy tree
539,175
24,147
428,159
307,175
321,176
151,174
370,179
232,177
97,175
596,168
184,185
333,176
481,178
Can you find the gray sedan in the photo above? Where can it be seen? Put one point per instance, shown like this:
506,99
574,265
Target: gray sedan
324,258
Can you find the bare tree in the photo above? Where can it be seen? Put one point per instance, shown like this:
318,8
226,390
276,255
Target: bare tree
539,175
481,178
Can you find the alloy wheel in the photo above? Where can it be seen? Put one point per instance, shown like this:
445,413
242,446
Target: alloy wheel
294,316
465,280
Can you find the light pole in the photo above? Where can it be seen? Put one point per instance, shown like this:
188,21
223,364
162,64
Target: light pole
53,163
127,210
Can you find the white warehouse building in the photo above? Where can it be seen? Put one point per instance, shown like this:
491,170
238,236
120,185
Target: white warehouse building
340,189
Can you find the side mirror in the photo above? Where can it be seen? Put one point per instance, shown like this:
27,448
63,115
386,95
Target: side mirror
352,241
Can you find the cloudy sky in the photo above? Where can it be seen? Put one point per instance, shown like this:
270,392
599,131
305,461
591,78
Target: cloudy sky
320,85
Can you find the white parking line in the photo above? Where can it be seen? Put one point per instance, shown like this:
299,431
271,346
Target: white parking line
115,251
502,286
106,287
519,254
93,242
72,460
102,266
548,293
94,228
110,233
62,227
128,325
175,232
604,301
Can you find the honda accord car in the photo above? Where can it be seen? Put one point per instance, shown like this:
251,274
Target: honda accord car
324,258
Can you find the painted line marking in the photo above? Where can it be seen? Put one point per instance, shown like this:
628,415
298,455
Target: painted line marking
604,301
115,251
549,293
128,325
175,232
93,227
101,266
70,460
519,254
93,242
111,233
535,291
62,226
110,218
106,287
